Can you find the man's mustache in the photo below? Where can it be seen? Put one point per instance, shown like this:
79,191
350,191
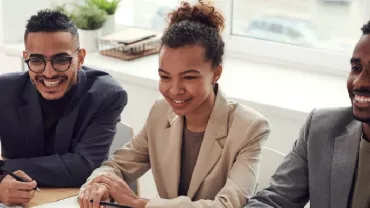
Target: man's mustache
43,77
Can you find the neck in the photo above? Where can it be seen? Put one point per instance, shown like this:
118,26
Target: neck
198,120
366,131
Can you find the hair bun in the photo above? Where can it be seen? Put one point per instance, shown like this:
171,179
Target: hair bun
201,12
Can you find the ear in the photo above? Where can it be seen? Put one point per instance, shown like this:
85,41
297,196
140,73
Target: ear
81,57
217,74
25,54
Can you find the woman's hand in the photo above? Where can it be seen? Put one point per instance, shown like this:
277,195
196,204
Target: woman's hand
93,191
120,191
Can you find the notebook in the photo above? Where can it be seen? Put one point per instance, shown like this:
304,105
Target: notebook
65,203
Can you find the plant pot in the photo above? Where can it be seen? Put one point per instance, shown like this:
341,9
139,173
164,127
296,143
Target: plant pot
109,26
89,39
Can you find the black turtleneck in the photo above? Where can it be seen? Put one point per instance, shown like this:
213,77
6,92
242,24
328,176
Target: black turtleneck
52,111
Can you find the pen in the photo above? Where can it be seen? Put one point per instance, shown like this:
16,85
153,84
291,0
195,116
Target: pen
18,178
111,204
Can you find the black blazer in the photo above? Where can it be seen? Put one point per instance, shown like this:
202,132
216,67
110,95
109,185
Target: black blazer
83,134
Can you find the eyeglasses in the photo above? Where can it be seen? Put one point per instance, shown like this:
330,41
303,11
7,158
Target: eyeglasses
59,63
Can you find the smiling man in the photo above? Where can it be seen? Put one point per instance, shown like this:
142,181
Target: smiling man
58,120
329,163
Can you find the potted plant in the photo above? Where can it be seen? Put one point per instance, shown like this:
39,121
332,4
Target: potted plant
110,7
89,20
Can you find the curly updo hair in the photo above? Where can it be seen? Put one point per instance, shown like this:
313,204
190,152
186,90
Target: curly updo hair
199,24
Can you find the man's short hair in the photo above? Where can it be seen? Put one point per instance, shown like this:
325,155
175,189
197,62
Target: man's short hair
50,21
366,28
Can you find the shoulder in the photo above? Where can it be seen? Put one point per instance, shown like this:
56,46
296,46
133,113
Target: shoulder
14,84
329,120
244,118
102,85
13,79
244,114
160,110
246,126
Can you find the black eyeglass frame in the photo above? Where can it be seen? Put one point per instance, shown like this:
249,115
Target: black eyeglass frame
69,58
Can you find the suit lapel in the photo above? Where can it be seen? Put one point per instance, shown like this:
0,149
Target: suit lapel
345,155
172,154
30,113
210,150
66,123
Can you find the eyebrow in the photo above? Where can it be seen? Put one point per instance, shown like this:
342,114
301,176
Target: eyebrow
355,60
43,56
184,72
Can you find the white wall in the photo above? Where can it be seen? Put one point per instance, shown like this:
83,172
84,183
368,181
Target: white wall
15,13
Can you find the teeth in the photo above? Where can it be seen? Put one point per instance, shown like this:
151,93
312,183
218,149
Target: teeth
51,84
178,101
362,99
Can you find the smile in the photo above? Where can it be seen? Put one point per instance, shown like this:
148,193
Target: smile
51,83
178,101
362,99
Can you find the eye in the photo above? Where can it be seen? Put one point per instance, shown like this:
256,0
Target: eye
61,60
164,77
356,68
190,77
36,61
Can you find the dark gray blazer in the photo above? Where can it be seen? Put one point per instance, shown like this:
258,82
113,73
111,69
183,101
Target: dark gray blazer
321,165
83,135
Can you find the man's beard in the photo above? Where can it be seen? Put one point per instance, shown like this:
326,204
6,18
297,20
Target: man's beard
363,120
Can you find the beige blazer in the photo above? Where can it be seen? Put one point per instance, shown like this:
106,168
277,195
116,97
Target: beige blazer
227,167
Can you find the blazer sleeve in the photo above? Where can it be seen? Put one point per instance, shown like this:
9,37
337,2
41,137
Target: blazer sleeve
72,169
242,177
129,162
289,184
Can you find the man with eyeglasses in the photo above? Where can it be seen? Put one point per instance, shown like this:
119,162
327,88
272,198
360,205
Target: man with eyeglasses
58,120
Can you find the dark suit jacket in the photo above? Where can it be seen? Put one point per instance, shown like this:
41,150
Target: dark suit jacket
83,134
321,166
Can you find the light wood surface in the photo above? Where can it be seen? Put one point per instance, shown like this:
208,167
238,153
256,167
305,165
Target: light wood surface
48,195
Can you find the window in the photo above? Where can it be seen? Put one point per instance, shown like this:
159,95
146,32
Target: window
323,24
307,34
150,14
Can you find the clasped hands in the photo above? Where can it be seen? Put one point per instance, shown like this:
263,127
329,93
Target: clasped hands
107,186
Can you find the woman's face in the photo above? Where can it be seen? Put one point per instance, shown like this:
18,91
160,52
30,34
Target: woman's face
186,78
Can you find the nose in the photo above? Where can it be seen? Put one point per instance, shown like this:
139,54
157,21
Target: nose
49,70
176,87
363,80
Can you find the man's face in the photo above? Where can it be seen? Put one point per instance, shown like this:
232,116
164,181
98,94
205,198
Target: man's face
58,53
358,83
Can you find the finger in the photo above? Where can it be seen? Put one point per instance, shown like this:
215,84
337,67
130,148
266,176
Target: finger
105,180
23,175
21,194
116,179
23,185
80,198
98,195
85,199
93,189
15,200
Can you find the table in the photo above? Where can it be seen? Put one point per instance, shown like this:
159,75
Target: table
49,195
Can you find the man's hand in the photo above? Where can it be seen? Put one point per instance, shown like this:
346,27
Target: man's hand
93,191
13,192
120,191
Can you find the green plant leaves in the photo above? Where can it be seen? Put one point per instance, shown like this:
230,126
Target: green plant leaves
109,6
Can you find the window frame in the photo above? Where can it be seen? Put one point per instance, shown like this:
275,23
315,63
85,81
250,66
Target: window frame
296,57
